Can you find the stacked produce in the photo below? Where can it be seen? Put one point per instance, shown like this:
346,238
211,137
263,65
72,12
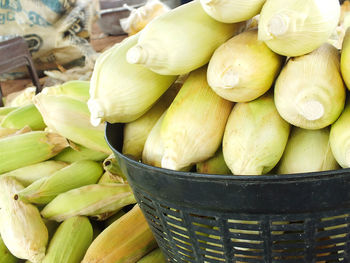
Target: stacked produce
59,184
201,88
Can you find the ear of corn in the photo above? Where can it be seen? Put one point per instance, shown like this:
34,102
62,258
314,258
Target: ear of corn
112,166
5,255
17,151
71,118
23,116
309,92
77,89
136,132
181,40
31,173
131,91
194,124
295,28
307,151
125,241
70,241
156,256
22,229
73,176
90,200
228,11
214,165
77,152
243,68
345,56
255,137
339,138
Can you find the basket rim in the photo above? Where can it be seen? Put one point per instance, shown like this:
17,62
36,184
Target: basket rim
228,177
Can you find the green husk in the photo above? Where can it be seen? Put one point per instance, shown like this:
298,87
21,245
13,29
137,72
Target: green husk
31,173
76,153
27,115
90,200
71,118
73,176
70,242
108,178
29,148
77,89
112,166
255,137
307,151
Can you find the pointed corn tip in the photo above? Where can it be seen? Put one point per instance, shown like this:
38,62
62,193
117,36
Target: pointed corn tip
311,110
230,79
96,112
136,55
168,162
278,25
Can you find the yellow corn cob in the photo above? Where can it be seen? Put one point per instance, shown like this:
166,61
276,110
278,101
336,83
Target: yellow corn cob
77,89
29,174
77,152
22,229
125,241
194,124
156,256
181,40
70,241
5,255
73,176
22,116
71,118
136,132
114,218
137,88
29,148
90,200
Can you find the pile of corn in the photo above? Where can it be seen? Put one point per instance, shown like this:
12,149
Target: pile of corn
206,87
231,87
63,197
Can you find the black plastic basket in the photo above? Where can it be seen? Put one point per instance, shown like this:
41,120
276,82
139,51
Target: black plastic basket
225,218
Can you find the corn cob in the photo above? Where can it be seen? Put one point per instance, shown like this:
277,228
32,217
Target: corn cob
181,40
137,88
194,124
156,256
77,89
5,255
22,229
73,176
70,118
111,165
214,165
29,174
90,200
114,218
76,153
125,241
29,148
22,116
70,241
136,132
